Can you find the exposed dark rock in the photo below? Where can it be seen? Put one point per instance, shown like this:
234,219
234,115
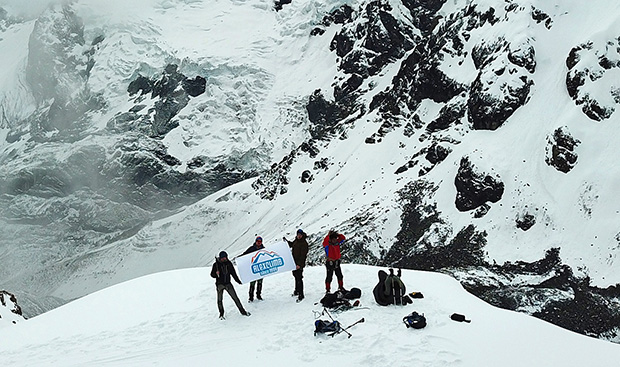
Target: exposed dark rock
325,116
310,148
173,90
449,115
341,15
423,13
6,297
278,4
482,210
560,150
196,162
317,31
141,84
382,39
474,188
306,176
349,86
539,16
581,73
524,57
165,110
525,221
195,87
488,111
586,313
416,219
274,181
57,72
553,292
436,153
322,164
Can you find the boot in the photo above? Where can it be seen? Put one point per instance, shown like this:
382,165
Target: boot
341,286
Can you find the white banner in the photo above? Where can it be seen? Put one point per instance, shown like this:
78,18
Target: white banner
273,259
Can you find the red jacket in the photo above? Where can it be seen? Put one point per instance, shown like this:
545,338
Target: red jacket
332,252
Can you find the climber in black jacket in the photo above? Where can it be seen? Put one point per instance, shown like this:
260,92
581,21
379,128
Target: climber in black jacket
222,271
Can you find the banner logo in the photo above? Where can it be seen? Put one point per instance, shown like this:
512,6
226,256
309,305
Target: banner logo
266,262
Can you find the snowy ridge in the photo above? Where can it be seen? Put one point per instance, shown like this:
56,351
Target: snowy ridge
170,318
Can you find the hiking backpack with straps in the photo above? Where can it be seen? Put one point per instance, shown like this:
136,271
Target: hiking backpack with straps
335,300
325,326
414,320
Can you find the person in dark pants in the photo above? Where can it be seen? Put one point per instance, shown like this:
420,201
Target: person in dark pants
222,271
258,244
299,248
331,244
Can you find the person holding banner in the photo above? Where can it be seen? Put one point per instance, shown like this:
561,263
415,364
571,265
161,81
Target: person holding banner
222,271
258,245
299,248
331,244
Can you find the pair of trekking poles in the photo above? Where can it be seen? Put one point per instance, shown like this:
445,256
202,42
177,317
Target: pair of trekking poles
340,328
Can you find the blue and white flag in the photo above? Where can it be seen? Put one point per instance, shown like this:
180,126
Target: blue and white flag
273,259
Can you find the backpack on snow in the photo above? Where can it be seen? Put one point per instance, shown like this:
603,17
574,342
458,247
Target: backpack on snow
325,326
335,300
414,320
353,293
390,290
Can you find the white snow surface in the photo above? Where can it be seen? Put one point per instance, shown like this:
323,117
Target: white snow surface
170,319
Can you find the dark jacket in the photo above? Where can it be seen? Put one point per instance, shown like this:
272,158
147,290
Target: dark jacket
226,270
299,247
253,248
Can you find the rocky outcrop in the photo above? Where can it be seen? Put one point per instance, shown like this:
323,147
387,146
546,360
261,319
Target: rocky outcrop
10,311
560,150
59,62
172,90
279,4
474,188
548,289
502,84
370,41
597,103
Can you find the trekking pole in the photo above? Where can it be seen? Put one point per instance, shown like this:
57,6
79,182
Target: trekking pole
355,323
328,314
339,331
348,327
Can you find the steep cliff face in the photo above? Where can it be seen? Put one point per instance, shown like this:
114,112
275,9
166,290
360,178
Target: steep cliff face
471,137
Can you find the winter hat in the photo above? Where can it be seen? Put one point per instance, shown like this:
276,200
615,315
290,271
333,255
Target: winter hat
259,238
300,231
223,254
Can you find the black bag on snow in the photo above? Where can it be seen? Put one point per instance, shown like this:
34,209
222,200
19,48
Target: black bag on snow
325,326
335,300
353,293
415,320
458,317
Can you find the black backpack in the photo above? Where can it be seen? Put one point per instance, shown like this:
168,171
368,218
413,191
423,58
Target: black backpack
353,293
415,320
325,326
335,300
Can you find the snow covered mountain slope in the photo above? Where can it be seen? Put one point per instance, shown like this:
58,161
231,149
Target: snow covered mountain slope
170,319
474,137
